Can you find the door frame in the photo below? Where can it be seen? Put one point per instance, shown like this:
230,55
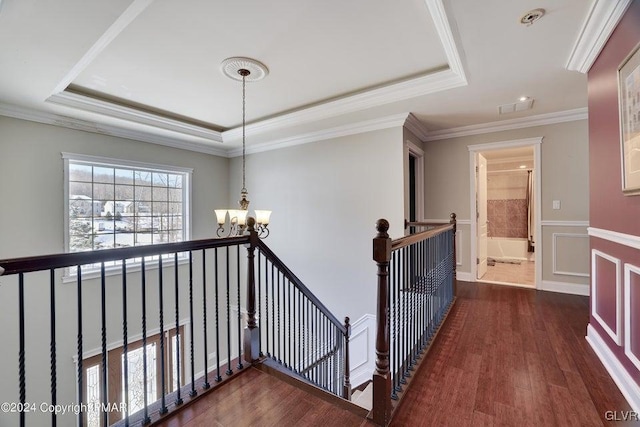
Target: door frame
535,143
411,149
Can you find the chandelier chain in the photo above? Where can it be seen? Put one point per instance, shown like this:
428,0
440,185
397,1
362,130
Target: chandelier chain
243,130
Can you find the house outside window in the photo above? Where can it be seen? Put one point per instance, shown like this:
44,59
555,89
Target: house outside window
114,203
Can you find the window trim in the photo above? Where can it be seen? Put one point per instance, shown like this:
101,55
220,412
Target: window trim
113,162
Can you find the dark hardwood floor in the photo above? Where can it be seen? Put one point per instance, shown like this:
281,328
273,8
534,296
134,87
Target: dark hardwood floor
505,357
512,357
256,398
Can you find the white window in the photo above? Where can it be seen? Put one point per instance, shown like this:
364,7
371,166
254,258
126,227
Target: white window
116,203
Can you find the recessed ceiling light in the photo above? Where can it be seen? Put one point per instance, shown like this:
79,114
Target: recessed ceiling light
532,16
523,98
523,166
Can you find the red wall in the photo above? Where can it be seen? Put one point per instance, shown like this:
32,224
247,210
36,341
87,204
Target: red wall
610,210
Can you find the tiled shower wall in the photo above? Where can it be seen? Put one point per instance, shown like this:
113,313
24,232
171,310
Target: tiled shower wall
507,205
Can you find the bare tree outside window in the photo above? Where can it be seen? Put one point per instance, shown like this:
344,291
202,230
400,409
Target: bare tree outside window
112,206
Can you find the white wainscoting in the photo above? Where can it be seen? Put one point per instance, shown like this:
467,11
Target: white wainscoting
362,349
619,374
617,335
555,254
630,269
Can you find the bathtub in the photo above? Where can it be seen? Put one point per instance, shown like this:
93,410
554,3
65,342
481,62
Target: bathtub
505,248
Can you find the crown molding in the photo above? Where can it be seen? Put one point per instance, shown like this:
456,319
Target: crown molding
131,13
424,85
446,78
502,125
87,126
416,127
99,106
447,38
596,30
396,120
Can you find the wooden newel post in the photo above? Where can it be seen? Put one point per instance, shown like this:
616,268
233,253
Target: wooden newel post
453,221
251,332
382,376
346,388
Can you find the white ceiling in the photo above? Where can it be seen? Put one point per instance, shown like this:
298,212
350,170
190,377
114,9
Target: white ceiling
150,69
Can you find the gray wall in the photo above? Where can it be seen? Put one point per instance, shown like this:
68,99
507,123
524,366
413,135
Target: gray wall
564,174
32,223
326,197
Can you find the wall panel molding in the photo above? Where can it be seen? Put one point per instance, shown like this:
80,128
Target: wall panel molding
617,335
362,349
630,269
554,253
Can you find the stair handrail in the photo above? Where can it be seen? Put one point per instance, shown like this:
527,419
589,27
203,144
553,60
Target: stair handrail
301,286
71,259
384,251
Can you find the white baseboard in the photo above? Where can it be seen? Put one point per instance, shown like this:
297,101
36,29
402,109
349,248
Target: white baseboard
465,276
629,388
565,288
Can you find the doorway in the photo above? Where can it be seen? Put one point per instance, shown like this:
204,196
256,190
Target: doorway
506,193
414,183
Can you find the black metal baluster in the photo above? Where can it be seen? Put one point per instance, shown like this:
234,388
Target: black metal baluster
178,400
289,337
205,337
420,293
240,365
229,370
146,419
414,304
405,314
193,391
52,346
393,307
79,344
103,306
125,343
311,337
266,304
273,312
300,326
322,351
217,282
163,388
316,330
305,333
259,320
279,313
21,354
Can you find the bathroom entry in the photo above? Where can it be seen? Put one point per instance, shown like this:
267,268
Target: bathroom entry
505,220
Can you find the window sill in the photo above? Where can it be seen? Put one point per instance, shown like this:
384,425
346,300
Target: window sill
116,270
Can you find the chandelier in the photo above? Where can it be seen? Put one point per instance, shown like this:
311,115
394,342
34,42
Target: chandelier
244,69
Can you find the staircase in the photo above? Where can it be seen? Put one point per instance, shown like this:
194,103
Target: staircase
364,398
196,321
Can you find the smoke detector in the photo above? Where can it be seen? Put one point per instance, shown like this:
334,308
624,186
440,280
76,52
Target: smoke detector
532,16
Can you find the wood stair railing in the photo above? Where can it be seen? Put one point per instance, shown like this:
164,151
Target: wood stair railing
180,310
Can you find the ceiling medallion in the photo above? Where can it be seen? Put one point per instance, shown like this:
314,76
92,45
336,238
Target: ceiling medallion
231,67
